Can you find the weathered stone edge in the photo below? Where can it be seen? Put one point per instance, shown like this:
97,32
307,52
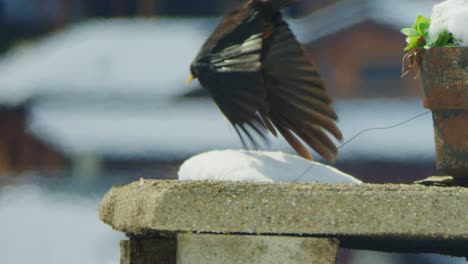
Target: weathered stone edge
408,211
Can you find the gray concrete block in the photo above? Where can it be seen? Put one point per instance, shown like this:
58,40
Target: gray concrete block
403,218
232,249
287,208
148,251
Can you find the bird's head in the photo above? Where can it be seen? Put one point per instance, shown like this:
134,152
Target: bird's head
193,74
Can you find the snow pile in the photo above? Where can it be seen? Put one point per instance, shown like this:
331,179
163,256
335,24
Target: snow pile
259,166
451,15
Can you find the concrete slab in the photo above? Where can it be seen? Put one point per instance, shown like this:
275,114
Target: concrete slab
391,217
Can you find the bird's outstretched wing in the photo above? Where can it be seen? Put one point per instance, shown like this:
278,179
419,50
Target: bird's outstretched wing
296,95
260,77
230,69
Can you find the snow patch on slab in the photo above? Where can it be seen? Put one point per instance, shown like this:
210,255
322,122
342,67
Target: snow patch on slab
259,166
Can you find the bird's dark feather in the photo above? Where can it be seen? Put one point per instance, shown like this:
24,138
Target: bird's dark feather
293,140
295,93
230,70
235,28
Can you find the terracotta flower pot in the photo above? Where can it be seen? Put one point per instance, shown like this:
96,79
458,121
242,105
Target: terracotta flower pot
444,76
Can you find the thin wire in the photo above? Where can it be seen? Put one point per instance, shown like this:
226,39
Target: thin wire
364,131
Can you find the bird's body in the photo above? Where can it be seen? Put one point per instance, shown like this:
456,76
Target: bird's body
261,79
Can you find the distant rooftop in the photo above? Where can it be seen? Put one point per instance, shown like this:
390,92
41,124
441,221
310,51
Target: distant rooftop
151,128
152,56
115,56
347,13
110,87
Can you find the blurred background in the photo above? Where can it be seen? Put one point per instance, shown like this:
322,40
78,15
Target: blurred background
93,94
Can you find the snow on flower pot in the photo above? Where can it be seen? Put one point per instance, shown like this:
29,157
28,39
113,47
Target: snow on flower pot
444,76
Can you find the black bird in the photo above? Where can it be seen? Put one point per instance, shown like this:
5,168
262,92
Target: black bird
262,80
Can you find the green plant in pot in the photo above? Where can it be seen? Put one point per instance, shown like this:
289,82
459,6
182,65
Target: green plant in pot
443,66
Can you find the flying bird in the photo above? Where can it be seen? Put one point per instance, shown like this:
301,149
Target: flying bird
262,80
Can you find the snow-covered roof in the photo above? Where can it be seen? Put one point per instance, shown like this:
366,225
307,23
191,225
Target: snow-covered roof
152,128
131,127
152,56
347,13
149,56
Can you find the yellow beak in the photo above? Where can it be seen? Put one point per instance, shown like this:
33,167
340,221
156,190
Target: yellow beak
190,78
